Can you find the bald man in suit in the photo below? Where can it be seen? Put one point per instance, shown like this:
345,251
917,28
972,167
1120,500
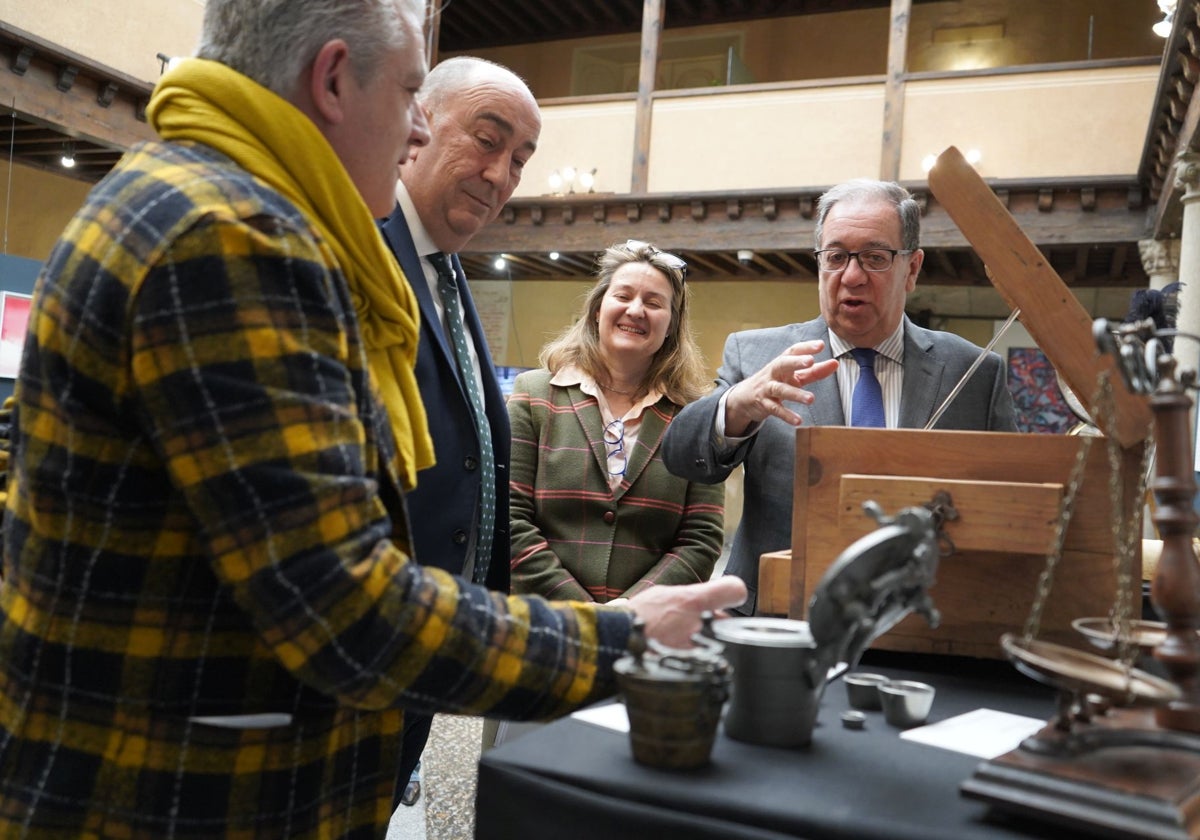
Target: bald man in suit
484,125
773,380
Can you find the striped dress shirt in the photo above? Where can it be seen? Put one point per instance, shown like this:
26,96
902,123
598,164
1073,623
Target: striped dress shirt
889,370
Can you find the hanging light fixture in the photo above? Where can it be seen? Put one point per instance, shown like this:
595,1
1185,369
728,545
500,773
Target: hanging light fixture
564,181
1163,28
68,155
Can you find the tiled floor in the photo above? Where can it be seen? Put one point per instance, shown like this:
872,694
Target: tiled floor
446,809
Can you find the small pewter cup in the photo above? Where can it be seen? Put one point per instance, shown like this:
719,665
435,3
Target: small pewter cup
862,690
906,703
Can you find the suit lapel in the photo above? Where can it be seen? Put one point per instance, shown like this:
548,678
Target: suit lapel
587,413
650,435
395,231
922,380
826,408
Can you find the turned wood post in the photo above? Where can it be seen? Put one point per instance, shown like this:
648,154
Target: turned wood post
1175,590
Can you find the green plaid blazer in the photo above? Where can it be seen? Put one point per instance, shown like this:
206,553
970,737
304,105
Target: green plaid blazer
573,536
202,524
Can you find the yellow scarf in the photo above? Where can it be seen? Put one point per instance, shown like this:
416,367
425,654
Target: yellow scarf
207,102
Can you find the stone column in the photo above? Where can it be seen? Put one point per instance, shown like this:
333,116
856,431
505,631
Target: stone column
1187,176
1186,351
1160,259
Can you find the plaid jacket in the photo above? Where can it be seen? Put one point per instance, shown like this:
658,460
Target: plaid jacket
201,523
573,536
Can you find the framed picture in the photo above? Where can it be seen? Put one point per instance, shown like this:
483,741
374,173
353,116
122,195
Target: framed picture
14,319
1037,400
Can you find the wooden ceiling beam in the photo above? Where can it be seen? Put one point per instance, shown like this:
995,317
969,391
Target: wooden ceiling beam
944,264
615,16
797,266
1081,262
490,18
780,221
36,93
539,17
1116,267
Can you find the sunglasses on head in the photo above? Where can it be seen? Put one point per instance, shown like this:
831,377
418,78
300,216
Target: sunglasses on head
668,259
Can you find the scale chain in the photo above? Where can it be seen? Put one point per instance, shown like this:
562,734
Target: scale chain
1126,530
1046,579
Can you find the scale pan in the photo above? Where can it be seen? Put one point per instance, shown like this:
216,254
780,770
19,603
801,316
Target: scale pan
1147,635
1077,671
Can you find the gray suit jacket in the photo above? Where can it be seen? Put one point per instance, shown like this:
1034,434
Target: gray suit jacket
933,364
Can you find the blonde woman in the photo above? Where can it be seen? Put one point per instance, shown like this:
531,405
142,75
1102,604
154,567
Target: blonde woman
596,516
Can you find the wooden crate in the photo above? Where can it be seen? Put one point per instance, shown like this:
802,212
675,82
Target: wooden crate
1007,489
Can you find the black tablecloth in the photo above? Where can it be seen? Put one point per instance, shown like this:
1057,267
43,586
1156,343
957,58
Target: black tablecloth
578,781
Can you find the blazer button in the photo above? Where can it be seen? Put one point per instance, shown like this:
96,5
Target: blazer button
610,517
471,463
701,463
460,537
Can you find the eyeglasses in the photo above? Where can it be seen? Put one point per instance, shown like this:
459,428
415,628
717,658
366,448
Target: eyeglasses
614,436
666,257
871,259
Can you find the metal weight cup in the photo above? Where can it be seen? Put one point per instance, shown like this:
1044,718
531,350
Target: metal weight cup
862,690
674,700
906,703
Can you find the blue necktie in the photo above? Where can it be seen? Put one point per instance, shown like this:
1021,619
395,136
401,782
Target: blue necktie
866,406
448,290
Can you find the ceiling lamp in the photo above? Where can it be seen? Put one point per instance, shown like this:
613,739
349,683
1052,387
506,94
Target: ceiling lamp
1163,28
563,181
68,155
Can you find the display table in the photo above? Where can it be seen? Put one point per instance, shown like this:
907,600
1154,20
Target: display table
578,781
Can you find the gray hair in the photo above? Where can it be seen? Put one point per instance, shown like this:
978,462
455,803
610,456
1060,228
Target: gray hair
888,192
273,41
454,75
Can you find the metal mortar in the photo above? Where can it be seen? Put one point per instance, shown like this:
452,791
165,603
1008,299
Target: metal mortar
674,700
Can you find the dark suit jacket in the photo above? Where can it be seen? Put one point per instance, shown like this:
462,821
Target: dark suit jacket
442,509
933,364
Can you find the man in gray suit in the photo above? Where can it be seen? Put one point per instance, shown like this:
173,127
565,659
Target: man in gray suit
772,380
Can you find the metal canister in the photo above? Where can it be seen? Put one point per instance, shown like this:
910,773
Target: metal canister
776,689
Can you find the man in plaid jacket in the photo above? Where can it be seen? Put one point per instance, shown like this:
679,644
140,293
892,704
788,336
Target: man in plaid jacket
209,622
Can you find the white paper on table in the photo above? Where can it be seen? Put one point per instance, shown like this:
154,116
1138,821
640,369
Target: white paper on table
610,716
985,733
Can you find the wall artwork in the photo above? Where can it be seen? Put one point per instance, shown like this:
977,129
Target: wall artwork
14,318
1038,403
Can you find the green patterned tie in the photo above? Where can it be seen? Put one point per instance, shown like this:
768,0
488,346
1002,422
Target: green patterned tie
448,289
